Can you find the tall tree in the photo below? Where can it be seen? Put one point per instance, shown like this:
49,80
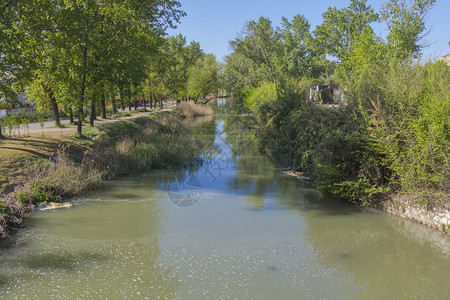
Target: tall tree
337,33
405,22
260,45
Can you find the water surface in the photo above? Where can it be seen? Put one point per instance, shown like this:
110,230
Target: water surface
233,228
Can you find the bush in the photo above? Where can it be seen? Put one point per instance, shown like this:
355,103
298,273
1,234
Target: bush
267,92
411,125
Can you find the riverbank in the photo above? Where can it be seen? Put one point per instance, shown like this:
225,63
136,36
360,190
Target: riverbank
430,211
50,169
335,147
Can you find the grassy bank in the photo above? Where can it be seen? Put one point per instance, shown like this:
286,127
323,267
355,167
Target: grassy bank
55,169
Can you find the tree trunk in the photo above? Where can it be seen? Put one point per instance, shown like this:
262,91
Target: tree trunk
113,102
93,114
103,106
80,116
161,103
145,105
71,116
136,103
80,108
129,106
196,99
83,82
1,134
122,105
52,99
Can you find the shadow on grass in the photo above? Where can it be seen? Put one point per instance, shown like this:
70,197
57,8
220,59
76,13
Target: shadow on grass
27,150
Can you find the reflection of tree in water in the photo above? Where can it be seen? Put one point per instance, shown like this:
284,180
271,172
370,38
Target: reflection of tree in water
205,132
254,172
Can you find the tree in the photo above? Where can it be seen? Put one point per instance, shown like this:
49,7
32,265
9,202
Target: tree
283,56
337,33
405,21
260,46
295,58
13,64
203,77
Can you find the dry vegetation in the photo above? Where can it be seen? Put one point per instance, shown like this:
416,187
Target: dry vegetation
190,109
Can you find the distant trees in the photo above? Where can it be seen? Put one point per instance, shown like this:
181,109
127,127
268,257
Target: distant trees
203,77
181,71
265,54
287,54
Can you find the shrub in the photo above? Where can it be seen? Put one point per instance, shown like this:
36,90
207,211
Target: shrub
267,92
411,125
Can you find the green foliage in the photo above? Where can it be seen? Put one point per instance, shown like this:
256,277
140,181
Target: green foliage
53,181
266,92
3,209
202,77
339,29
265,54
405,21
411,125
36,195
80,47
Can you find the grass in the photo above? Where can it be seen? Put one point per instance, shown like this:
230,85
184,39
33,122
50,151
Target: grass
154,141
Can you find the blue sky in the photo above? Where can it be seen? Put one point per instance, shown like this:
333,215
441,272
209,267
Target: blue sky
213,23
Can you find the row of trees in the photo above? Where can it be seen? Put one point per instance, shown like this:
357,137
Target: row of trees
393,132
81,55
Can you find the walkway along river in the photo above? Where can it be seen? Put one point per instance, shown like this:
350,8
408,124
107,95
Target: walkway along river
232,227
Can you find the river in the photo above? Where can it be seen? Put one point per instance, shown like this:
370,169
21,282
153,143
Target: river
233,227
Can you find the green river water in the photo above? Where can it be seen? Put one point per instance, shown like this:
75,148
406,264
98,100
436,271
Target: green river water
234,227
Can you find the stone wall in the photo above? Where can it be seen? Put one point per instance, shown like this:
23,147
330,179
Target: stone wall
408,207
